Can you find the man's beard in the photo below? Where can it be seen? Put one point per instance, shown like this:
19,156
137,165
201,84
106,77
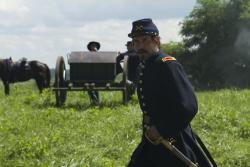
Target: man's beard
143,54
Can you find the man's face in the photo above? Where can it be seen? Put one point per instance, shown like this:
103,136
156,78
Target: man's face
93,48
146,46
130,47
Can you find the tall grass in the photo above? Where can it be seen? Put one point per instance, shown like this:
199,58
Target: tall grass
33,132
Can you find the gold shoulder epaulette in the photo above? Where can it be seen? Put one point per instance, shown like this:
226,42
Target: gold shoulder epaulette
168,58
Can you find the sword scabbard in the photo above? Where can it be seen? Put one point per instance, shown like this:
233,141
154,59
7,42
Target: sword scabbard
177,153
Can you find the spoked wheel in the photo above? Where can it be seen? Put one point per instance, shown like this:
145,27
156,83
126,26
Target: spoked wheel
125,93
60,81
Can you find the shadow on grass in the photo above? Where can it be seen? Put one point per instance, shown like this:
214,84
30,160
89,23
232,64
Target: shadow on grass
77,106
77,101
116,104
82,106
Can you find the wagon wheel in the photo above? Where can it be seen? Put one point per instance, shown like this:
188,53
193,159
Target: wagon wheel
60,81
125,93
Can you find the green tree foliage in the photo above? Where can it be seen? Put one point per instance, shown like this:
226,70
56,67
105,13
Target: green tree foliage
175,49
216,34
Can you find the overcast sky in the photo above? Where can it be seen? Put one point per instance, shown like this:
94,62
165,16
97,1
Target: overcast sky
44,29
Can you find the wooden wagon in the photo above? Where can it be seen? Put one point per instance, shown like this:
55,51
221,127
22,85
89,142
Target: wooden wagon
89,71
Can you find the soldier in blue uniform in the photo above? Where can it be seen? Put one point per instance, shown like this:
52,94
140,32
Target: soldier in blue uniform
130,52
168,103
93,46
133,62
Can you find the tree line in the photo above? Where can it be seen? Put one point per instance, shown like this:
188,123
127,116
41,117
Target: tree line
215,48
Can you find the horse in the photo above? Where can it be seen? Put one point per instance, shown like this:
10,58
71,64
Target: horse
23,70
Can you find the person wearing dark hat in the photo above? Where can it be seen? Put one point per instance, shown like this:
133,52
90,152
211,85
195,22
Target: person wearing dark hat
133,61
129,46
130,51
168,103
93,46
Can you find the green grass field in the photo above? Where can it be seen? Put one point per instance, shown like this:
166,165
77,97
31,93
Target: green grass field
33,132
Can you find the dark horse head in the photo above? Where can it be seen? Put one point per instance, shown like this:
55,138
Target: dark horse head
23,70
